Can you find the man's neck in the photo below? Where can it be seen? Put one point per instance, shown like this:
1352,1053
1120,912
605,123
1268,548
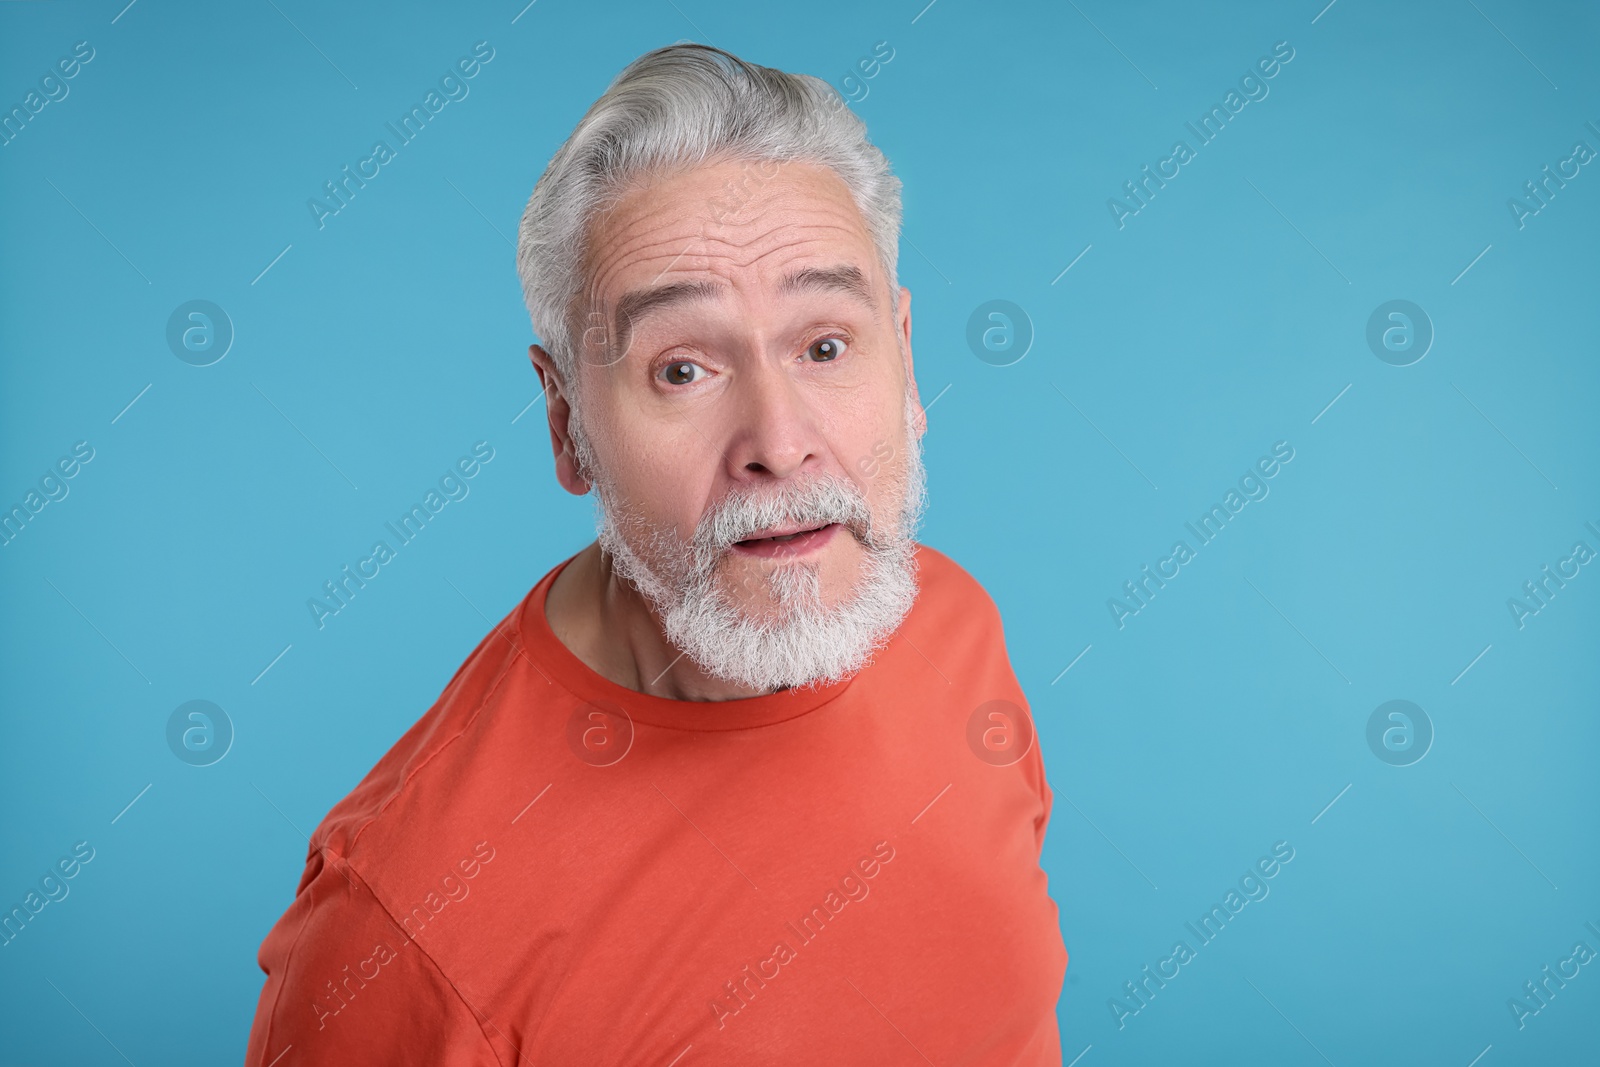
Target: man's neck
608,625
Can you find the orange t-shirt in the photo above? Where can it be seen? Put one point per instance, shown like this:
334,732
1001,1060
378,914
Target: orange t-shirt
550,868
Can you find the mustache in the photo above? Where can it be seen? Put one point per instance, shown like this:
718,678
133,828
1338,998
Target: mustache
830,499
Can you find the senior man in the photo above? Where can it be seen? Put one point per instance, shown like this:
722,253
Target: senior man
749,779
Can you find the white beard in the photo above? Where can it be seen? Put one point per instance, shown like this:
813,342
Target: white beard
802,641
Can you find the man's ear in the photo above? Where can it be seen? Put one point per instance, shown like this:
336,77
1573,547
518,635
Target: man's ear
559,411
902,326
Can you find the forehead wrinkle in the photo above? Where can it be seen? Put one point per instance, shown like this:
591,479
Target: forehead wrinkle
835,277
630,248
808,239
827,194
638,238
625,242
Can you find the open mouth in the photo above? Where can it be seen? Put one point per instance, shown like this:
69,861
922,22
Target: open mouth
794,542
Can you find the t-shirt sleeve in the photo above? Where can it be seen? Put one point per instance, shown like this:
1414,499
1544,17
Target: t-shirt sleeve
1046,796
346,985
1031,765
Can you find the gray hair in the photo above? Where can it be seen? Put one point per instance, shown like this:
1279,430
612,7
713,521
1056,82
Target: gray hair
679,106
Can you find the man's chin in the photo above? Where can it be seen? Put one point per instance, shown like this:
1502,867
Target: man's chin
765,592
793,636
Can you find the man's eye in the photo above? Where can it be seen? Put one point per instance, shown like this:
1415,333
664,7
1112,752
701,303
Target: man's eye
828,348
681,372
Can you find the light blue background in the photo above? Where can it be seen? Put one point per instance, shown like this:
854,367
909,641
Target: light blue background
1224,317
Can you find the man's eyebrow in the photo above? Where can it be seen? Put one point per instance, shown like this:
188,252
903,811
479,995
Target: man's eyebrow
635,305
842,279
640,302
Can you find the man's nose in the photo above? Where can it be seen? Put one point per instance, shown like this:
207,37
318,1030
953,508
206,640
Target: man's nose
775,430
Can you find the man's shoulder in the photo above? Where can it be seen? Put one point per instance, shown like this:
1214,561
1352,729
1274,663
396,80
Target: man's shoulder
436,780
947,589
956,623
